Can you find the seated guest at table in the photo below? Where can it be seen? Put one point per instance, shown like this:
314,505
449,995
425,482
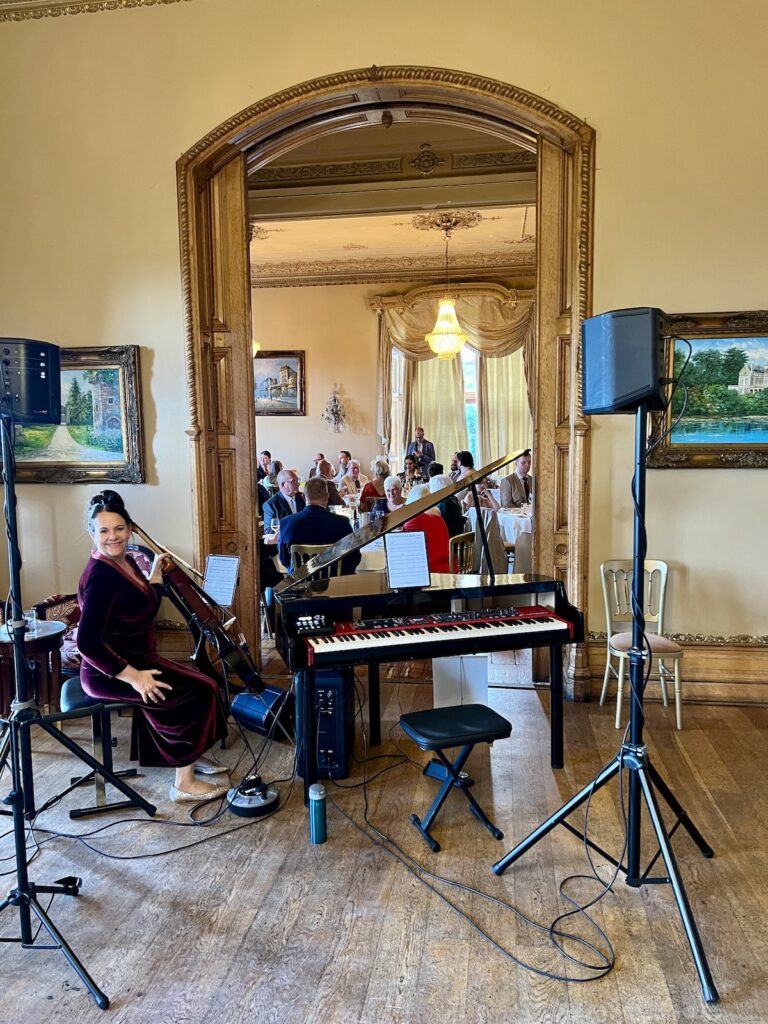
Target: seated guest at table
374,489
287,501
450,508
325,470
422,450
353,482
313,470
341,472
517,488
393,489
484,495
432,525
454,469
434,469
316,525
465,463
275,468
178,713
411,474
265,458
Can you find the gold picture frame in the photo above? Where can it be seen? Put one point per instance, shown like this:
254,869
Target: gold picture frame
100,436
725,423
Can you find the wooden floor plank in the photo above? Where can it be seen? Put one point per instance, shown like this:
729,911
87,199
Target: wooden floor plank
257,924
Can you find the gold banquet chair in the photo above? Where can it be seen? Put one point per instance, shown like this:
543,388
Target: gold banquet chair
617,596
461,552
302,553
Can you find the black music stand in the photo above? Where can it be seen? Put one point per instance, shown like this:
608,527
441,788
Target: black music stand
633,755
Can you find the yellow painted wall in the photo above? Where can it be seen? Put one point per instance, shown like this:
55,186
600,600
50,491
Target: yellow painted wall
96,108
338,333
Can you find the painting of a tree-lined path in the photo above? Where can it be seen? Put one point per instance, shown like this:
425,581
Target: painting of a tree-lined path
91,427
727,381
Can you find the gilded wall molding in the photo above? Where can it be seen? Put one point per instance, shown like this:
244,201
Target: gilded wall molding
28,10
300,273
340,169
508,158
700,639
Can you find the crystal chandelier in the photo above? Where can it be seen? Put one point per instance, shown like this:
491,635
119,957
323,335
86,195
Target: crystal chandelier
446,339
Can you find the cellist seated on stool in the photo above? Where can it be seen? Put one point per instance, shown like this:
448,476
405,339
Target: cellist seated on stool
178,713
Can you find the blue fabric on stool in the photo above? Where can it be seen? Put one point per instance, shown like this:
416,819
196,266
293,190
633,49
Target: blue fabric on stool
73,697
438,728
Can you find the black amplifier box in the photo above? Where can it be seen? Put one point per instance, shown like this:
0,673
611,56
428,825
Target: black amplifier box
335,721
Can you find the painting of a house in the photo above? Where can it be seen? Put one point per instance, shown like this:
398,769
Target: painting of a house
278,384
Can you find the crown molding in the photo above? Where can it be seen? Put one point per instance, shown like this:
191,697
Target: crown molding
29,10
300,273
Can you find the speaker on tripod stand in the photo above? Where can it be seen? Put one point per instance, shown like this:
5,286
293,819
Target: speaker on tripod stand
622,372
30,393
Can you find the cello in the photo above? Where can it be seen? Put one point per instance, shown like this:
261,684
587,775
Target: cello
208,622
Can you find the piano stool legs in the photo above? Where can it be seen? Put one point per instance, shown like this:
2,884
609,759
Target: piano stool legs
452,780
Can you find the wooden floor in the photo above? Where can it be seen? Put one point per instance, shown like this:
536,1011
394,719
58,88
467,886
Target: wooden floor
254,924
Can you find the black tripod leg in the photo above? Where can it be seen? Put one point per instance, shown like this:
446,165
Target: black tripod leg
102,1001
679,812
558,817
708,989
61,737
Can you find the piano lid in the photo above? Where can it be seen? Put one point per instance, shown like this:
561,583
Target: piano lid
386,524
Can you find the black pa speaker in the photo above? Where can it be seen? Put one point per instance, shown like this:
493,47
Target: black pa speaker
623,360
30,380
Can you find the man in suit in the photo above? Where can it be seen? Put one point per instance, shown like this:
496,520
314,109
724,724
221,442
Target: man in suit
316,525
325,472
421,450
517,488
287,501
315,463
344,460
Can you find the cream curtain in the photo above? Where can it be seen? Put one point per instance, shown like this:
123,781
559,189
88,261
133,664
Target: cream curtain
498,321
504,416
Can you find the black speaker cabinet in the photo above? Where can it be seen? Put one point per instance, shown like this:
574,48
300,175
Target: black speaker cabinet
623,360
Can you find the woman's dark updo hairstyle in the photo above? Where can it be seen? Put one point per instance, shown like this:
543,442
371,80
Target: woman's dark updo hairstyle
465,459
106,501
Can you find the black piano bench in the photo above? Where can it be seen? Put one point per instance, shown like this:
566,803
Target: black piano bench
440,729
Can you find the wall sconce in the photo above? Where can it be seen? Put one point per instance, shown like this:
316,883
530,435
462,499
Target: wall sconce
335,413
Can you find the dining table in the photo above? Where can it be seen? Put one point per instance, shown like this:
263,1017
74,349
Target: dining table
516,527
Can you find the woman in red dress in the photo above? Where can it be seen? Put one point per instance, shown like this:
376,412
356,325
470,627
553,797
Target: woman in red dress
178,713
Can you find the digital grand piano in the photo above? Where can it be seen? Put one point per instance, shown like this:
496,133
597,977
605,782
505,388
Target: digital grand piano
332,622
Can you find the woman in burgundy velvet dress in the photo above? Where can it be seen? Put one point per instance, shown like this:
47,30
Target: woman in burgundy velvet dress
178,713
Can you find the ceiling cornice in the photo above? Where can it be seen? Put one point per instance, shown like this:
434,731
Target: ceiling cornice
303,273
27,10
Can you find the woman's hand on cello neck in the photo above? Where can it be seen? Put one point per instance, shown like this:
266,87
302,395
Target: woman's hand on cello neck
161,564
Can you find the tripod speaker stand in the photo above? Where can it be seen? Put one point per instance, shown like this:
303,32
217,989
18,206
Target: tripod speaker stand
644,780
24,711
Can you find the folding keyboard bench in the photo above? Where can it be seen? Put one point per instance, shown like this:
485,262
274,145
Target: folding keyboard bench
440,729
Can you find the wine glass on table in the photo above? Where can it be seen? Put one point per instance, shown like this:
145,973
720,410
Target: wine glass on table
274,525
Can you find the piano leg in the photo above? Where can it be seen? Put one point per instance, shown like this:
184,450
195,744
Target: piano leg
374,705
556,705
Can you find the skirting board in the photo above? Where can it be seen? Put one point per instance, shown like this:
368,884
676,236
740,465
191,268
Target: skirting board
731,673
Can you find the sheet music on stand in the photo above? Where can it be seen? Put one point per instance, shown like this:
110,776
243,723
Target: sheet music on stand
407,565
221,574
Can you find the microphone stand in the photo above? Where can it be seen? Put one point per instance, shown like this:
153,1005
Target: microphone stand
633,755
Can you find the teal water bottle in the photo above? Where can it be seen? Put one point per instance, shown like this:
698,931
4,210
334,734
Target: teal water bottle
317,826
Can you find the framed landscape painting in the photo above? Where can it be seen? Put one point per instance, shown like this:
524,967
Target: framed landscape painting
278,384
725,420
99,436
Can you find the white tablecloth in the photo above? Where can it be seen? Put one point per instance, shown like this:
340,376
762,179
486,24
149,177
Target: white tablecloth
516,529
